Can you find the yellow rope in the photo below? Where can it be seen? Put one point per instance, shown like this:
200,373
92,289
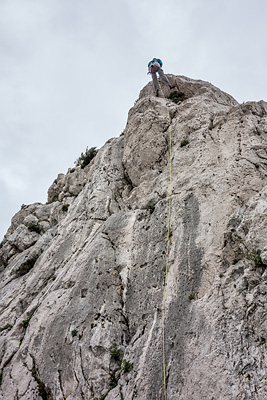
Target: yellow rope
167,256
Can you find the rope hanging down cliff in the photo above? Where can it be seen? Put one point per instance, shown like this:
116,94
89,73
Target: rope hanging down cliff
168,250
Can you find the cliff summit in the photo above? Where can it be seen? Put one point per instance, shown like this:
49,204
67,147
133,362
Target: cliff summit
82,277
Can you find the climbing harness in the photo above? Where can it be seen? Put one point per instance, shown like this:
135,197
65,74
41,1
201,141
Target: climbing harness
167,252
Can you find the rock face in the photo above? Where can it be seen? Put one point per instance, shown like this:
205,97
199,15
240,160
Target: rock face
82,277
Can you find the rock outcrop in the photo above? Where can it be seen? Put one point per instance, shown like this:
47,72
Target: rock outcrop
82,277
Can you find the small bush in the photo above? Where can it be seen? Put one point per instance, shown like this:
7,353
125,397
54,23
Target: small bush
113,382
184,143
74,332
192,296
86,157
26,322
127,366
151,208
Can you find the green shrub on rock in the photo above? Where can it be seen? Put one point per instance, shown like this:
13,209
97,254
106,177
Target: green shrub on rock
86,158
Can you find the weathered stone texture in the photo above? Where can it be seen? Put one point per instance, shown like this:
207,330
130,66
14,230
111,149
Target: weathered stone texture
82,276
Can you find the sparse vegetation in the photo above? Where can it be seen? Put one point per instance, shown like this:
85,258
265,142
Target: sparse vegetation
151,208
192,296
255,257
127,366
113,382
184,143
74,332
86,158
6,327
44,394
26,322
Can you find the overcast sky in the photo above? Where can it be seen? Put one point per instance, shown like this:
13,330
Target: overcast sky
71,69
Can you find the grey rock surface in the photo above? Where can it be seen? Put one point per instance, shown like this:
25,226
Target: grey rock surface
82,277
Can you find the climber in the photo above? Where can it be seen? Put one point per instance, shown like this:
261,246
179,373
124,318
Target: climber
155,66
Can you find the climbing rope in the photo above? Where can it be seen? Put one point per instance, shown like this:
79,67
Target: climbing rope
167,253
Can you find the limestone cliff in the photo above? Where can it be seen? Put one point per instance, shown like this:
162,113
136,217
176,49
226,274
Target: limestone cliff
82,276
